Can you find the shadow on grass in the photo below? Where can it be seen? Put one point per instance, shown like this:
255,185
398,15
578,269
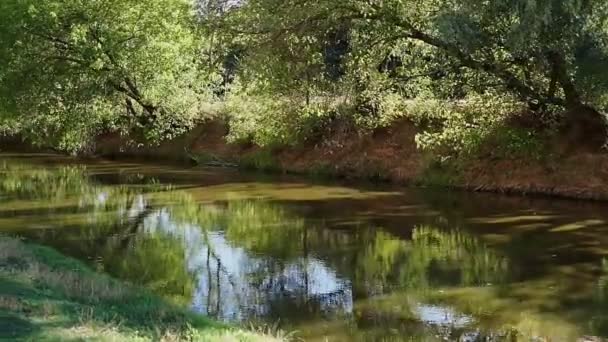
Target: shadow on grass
15,327
46,296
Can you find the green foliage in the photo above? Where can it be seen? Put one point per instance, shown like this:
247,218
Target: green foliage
419,264
429,255
275,119
53,297
261,120
74,69
263,228
321,170
262,160
518,143
440,172
461,128
448,57
283,70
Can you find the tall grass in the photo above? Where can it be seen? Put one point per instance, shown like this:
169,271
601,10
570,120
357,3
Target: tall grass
46,296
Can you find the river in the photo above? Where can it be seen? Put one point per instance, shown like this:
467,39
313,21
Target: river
325,261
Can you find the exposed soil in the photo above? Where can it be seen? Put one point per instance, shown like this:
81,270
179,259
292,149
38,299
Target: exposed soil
391,154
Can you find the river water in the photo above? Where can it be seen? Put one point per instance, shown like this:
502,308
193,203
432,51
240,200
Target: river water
326,261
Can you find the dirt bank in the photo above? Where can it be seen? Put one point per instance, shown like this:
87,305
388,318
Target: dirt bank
389,154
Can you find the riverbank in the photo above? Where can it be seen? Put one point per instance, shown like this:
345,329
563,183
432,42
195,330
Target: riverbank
45,296
388,154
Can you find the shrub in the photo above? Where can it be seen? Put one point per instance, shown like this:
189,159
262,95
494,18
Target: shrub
278,120
261,160
456,129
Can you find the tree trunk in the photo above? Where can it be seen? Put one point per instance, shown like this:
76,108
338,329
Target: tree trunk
560,74
583,126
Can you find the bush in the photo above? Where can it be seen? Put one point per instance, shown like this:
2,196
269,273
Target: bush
456,129
269,121
261,160
513,142
472,126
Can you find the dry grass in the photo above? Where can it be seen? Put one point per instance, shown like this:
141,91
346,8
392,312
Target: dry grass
72,283
111,333
11,303
77,285
59,299
91,330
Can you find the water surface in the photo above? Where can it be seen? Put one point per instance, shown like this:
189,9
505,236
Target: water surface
328,261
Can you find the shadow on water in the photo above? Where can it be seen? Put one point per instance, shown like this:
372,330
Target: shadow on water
330,261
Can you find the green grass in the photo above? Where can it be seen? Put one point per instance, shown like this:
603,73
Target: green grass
261,160
439,173
322,171
45,296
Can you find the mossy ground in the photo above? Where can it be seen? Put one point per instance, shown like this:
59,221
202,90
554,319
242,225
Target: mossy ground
45,296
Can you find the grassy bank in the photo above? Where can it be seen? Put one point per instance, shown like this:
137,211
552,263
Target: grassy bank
392,155
45,296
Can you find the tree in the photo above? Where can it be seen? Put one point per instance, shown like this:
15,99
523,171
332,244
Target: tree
531,49
73,68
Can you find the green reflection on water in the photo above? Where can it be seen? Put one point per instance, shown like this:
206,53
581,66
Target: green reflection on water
331,262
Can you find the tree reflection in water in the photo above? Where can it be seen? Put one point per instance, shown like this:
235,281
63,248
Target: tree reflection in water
245,260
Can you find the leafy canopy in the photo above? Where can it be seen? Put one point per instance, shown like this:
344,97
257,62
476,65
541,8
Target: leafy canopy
372,57
73,68
286,68
536,49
